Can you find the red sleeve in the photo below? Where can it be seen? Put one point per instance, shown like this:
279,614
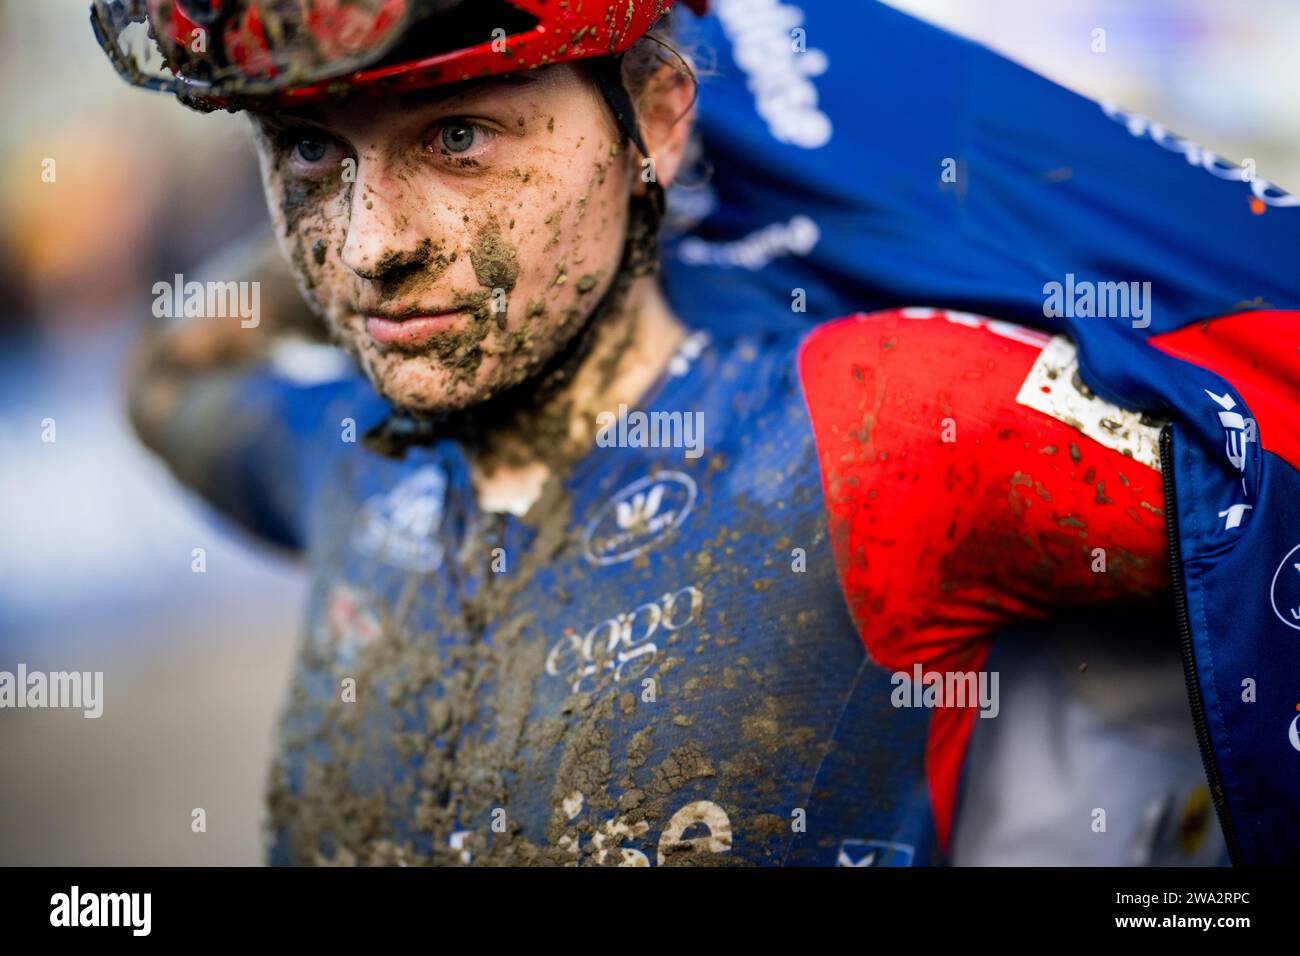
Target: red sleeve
954,509
1258,353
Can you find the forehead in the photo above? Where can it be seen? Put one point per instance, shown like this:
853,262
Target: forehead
535,84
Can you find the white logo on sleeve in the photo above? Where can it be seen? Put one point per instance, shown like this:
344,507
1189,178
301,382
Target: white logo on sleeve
1285,590
779,75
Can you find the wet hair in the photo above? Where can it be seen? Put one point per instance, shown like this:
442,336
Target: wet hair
655,49
637,67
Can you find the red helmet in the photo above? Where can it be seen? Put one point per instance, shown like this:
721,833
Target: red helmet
234,53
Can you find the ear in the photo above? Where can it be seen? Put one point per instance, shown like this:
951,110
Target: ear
666,112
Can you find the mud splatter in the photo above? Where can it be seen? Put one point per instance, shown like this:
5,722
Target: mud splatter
300,198
496,264
459,719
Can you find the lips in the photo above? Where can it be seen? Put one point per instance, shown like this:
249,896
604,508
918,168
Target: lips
411,330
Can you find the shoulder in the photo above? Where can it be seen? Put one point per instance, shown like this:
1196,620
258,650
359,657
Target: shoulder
849,339
915,357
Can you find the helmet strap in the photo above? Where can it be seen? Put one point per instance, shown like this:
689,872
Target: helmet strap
608,71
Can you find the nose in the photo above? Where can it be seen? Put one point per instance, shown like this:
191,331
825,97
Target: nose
380,242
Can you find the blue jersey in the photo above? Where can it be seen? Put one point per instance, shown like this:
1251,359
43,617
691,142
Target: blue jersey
664,669
727,651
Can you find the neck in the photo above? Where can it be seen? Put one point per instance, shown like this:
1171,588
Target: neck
518,446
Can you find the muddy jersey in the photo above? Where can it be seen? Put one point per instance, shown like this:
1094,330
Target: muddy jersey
740,651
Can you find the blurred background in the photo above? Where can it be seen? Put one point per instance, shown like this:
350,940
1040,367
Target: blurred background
96,540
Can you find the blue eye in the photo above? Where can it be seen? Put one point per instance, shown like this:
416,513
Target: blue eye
311,150
457,137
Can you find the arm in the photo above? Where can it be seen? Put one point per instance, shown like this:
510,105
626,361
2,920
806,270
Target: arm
956,508
202,395
168,358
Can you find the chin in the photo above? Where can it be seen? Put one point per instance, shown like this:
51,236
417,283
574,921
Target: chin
420,383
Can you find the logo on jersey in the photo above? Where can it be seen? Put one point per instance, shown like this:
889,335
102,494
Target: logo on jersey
706,822
1239,432
874,853
399,527
638,517
1293,734
756,249
1285,593
350,616
623,644
1140,127
779,74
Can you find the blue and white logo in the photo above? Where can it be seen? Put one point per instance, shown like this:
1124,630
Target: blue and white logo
1285,590
874,853
400,527
638,517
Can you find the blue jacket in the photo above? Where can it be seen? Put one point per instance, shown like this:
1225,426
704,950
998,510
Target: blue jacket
873,160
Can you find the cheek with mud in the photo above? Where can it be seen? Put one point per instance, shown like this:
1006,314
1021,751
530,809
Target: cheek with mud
534,266
309,218
541,281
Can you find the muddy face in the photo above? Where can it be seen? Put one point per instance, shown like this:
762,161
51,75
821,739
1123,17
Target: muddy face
453,240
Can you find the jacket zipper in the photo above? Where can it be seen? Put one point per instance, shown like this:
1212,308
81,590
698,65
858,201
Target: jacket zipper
1212,775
